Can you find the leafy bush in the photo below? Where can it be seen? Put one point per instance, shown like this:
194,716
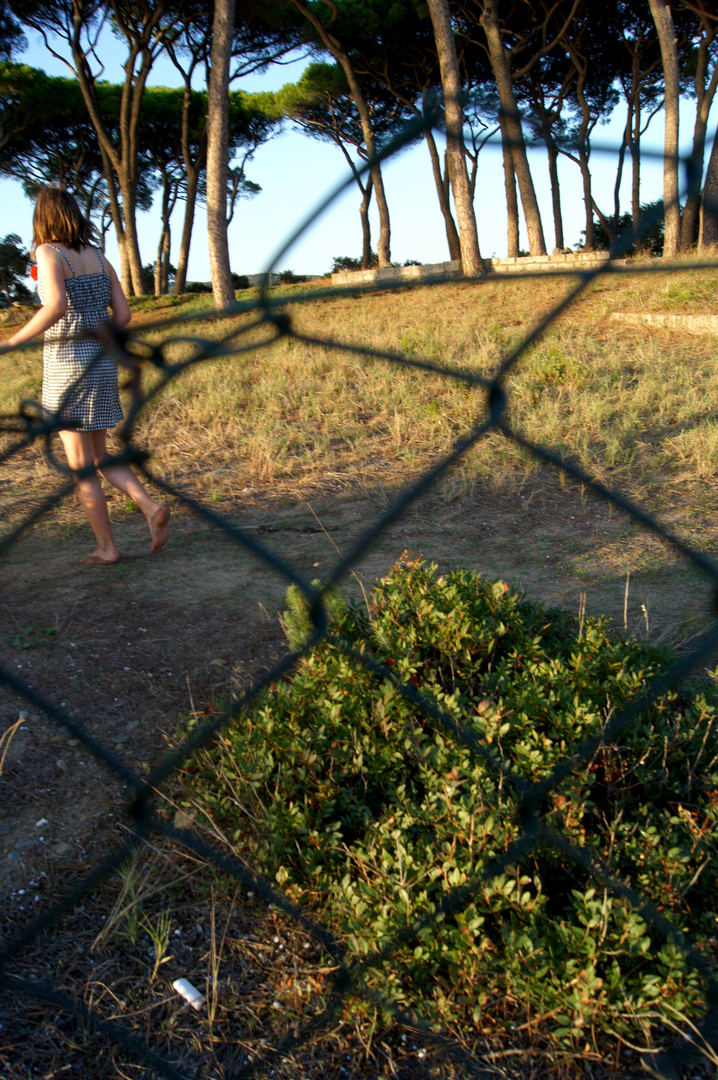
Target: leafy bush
198,287
240,281
374,812
346,262
651,238
288,277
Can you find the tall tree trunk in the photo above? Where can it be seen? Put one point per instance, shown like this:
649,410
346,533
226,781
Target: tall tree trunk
165,261
193,175
129,210
583,158
217,152
125,276
502,74
552,152
164,233
158,264
162,260
471,264
193,169
669,55
333,46
625,139
452,235
512,202
635,147
704,100
708,232
365,225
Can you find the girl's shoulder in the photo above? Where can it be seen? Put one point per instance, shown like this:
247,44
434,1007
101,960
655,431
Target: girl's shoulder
51,258
49,255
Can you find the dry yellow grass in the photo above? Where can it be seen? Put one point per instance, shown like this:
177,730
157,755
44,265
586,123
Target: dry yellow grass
636,407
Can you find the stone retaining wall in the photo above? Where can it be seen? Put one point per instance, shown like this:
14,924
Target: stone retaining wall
574,260
397,273
690,324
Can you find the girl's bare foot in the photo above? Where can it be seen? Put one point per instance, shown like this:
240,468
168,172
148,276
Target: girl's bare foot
101,558
159,523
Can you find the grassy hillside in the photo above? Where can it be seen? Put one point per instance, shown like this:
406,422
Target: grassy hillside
635,406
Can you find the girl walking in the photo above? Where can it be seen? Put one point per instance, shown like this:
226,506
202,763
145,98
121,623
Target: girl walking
77,285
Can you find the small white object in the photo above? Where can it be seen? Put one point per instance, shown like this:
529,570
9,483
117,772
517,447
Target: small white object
42,821
190,993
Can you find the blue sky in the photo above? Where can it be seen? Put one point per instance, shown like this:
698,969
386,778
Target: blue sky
296,173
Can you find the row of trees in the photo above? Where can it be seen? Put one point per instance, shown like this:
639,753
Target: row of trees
48,137
541,71
550,72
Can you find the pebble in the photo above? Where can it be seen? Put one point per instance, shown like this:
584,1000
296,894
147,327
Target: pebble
120,739
62,848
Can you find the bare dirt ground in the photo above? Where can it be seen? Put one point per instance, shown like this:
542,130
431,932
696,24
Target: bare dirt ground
130,650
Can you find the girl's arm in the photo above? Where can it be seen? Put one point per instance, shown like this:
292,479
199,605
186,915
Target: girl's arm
49,266
121,311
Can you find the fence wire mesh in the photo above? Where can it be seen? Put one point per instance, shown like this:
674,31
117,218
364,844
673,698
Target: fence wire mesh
273,320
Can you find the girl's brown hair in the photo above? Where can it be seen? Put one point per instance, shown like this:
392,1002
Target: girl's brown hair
58,219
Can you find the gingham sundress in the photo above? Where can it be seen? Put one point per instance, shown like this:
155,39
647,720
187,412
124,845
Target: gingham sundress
79,379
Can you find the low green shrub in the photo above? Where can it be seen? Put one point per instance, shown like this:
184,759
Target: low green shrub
345,793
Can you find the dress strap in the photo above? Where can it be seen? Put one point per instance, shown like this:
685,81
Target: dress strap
102,261
64,257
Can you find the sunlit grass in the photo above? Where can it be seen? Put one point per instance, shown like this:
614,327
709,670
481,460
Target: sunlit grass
631,405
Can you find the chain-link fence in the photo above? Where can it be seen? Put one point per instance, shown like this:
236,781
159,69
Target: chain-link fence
273,318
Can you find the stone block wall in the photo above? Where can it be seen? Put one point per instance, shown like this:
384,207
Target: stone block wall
571,260
397,273
574,260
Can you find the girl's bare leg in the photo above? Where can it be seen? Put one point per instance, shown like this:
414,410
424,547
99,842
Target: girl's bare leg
123,478
80,453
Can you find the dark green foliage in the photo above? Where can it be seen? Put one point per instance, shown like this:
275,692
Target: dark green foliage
288,277
375,812
12,38
240,281
652,229
346,262
14,265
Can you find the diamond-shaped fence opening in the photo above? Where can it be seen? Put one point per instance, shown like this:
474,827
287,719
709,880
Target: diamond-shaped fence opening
272,322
